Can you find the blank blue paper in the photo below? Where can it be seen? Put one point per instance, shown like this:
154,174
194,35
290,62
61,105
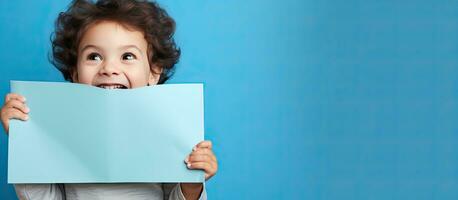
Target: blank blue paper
83,134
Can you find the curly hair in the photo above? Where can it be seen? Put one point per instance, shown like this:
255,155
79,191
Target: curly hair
157,26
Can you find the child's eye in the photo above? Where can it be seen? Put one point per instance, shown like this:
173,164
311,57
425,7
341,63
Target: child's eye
94,56
129,56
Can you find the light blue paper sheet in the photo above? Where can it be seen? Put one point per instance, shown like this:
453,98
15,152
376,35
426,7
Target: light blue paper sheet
79,134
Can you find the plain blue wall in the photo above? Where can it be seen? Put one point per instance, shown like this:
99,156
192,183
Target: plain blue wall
305,99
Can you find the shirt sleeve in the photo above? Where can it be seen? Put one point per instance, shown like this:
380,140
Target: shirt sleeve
39,191
176,193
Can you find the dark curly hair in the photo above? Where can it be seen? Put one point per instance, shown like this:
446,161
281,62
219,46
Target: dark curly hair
157,26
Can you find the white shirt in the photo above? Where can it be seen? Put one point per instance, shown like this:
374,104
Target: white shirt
102,191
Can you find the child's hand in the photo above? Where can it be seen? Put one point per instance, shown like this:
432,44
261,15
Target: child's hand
202,157
14,108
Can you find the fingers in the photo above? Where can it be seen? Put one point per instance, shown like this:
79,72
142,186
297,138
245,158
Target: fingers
12,113
203,148
14,108
200,165
209,169
202,153
16,114
203,158
14,103
14,96
204,144
200,158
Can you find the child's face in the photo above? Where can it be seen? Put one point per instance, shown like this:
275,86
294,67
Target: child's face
111,56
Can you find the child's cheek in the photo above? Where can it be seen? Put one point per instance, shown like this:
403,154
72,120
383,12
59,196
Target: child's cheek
86,74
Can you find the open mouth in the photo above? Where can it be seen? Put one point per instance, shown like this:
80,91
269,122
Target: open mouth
112,86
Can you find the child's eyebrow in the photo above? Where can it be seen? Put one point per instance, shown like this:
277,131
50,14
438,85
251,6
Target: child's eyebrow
90,46
120,48
130,46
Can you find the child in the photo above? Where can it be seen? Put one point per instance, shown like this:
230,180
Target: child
114,44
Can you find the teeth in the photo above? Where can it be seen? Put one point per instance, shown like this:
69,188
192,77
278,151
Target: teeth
111,86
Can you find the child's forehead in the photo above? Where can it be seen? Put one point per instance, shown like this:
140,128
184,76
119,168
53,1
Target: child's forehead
112,34
110,22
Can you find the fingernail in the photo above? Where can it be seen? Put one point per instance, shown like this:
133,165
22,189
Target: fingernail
189,165
26,117
194,148
27,109
187,159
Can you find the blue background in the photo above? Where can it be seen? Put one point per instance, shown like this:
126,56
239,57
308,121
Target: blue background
305,99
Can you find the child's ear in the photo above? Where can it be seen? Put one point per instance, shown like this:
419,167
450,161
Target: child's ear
74,76
154,75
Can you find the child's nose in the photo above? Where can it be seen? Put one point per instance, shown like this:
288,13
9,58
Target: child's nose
109,69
